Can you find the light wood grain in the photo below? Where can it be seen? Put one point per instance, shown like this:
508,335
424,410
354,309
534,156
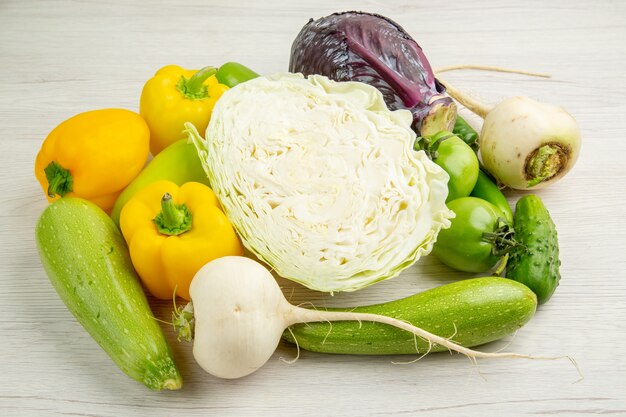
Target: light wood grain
61,57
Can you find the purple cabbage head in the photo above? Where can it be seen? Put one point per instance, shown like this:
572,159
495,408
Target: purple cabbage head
357,46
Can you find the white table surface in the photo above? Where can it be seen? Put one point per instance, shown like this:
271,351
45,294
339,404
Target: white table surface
62,57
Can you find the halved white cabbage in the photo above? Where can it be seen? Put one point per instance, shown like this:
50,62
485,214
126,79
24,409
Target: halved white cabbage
321,181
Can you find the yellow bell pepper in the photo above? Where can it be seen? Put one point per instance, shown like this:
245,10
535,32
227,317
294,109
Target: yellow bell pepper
175,96
172,232
93,155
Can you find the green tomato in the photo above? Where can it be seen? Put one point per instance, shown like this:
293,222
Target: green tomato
460,162
468,244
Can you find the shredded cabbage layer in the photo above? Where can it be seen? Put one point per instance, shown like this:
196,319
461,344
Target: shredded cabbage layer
321,181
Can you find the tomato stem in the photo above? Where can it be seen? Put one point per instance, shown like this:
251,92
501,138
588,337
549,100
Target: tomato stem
430,146
501,266
502,239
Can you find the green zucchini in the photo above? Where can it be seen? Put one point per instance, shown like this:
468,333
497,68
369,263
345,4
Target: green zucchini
88,264
535,262
470,312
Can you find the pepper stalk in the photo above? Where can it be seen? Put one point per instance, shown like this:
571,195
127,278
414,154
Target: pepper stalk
194,88
173,219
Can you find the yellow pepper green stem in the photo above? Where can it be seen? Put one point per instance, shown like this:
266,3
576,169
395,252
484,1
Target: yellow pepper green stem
173,219
59,179
166,249
175,95
194,88
178,163
75,158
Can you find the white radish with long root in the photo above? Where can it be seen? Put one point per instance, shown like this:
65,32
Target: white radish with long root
238,314
524,143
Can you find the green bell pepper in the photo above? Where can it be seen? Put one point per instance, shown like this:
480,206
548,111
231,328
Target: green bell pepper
233,73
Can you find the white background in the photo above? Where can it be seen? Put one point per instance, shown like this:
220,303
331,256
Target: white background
62,57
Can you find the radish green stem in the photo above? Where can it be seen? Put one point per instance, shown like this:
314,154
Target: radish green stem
545,163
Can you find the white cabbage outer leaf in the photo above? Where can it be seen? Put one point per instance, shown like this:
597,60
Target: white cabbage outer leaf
321,181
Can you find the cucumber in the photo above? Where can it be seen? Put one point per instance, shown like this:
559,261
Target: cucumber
472,312
88,264
535,262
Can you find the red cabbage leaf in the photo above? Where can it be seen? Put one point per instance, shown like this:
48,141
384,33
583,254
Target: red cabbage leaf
365,47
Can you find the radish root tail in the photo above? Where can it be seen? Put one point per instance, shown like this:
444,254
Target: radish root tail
416,359
433,339
491,68
294,360
472,104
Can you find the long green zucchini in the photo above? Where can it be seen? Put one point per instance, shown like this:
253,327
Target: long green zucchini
88,264
470,312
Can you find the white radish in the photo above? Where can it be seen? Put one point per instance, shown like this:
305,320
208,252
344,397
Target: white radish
238,314
524,143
